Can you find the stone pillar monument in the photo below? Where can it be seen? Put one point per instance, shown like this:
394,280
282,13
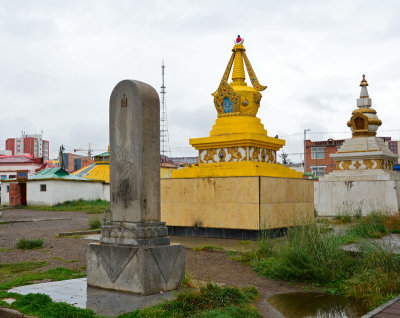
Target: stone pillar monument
134,254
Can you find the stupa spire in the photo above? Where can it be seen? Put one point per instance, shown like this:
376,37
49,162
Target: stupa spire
364,101
236,98
364,121
238,75
364,90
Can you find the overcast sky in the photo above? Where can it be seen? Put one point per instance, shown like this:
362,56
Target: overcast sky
60,61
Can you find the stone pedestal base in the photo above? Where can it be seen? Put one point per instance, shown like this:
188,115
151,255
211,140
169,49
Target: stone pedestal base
139,233
357,192
139,270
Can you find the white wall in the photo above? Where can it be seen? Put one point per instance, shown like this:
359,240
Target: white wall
7,169
58,191
4,193
338,197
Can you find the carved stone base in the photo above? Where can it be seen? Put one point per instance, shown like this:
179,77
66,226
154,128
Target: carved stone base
139,270
137,234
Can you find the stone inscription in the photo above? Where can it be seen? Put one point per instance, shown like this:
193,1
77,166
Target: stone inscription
124,101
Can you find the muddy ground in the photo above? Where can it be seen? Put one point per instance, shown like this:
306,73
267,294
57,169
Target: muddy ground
70,251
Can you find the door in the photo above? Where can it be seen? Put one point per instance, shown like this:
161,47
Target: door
22,189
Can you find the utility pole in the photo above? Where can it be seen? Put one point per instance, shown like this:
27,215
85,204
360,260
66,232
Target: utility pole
165,150
305,150
61,157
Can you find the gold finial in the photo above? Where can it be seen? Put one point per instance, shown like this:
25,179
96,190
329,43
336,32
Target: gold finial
238,75
364,81
108,148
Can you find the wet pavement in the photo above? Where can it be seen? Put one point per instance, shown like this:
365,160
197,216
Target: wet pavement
103,302
311,304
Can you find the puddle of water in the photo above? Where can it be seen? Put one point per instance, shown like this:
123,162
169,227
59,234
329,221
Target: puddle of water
316,305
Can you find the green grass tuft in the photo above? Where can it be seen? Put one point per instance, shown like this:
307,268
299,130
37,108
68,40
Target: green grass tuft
313,253
20,274
41,305
8,270
94,223
211,248
209,301
27,244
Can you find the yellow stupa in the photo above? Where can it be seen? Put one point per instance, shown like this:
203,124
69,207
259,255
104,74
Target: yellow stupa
238,144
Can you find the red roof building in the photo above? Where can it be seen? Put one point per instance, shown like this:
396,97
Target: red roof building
9,165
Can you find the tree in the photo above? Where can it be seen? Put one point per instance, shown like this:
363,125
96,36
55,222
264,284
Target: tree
284,157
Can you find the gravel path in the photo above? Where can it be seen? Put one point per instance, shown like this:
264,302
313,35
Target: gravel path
70,252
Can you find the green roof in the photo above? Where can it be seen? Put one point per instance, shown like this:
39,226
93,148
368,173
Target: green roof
104,154
54,173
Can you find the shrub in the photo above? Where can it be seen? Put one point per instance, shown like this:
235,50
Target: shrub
343,217
187,280
313,253
94,223
371,226
27,244
373,287
392,223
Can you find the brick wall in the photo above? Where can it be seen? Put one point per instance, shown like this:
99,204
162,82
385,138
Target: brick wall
69,161
329,146
10,145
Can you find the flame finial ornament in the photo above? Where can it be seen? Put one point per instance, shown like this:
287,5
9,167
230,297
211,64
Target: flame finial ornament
364,81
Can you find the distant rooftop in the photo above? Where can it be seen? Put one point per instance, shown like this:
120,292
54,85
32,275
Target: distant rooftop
20,159
55,173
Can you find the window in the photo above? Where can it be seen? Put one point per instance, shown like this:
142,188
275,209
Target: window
11,176
42,188
318,171
8,188
317,153
3,177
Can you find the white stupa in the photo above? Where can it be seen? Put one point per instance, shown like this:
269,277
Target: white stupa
364,180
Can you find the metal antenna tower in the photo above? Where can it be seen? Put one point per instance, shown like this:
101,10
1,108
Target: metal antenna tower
164,137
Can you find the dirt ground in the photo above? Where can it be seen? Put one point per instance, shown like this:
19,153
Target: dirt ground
70,251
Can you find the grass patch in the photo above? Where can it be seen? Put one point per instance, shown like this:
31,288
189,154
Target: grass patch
26,277
247,242
90,206
9,270
71,261
313,253
211,248
209,301
27,244
375,225
187,281
41,305
343,218
94,223
205,302
6,249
